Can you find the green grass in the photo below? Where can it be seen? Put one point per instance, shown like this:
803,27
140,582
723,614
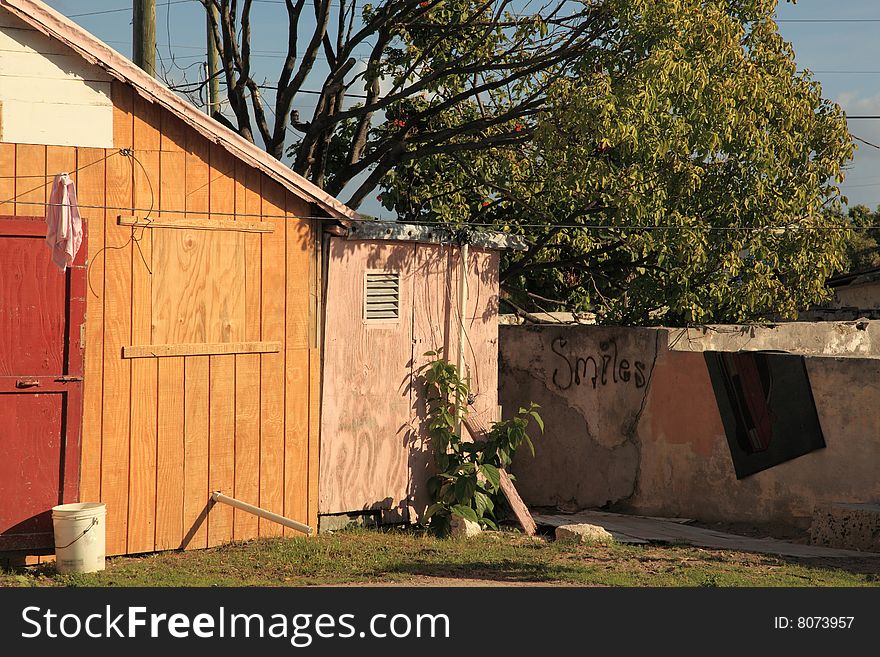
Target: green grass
412,557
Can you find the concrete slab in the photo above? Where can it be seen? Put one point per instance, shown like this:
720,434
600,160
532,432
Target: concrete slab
654,530
847,526
855,339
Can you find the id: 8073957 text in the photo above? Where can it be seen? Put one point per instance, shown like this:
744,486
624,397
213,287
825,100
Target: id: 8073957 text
813,622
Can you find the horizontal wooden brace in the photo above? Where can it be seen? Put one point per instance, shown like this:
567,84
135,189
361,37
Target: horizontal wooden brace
199,349
199,224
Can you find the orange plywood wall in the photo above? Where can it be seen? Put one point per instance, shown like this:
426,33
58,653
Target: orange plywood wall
374,448
161,432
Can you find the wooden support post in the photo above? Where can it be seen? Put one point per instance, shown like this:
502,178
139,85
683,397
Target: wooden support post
217,496
478,431
144,35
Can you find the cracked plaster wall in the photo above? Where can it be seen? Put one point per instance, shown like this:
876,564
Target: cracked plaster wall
654,444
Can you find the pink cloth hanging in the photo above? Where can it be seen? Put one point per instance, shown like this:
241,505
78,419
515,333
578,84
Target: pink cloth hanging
64,225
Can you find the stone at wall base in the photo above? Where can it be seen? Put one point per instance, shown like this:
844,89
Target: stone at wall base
462,528
847,526
583,533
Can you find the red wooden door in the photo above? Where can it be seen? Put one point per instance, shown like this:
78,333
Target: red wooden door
41,314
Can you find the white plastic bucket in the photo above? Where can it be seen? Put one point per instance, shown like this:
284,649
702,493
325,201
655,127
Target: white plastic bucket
79,537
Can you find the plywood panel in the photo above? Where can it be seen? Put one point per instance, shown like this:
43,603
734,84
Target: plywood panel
180,259
226,312
221,451
145,373
172,186
59,159
7,178
173,133
146,127
299,251
198,172
117,372
248,204
247,442
90,191
296,442
297,318
196,493
181,294
30,170
272,373
123,120
170,454
365,433
247,367
193,252
314,432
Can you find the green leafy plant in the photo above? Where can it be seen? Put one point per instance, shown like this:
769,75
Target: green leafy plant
468,479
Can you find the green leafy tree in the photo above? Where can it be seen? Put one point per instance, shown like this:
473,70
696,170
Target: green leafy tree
681,170
380,74
863,242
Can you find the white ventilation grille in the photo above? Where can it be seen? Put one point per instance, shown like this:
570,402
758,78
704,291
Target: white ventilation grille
382,296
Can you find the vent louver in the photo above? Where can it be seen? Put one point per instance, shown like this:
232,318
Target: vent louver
382,296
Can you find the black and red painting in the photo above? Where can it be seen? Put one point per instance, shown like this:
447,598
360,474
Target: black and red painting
767,408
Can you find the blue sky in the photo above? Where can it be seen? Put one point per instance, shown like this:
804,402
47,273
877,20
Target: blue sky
838,41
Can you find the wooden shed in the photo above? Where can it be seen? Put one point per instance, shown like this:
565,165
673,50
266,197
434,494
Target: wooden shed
395,292
180,354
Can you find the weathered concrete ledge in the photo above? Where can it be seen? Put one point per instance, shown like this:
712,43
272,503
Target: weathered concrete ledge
856,339
847,526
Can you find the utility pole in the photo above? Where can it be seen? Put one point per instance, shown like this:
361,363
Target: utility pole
144,35
213,71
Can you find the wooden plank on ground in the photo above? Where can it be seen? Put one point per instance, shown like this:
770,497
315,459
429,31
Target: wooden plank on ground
90,191
479,428
169,454
520,510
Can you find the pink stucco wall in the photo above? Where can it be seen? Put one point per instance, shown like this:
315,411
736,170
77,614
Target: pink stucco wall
660,448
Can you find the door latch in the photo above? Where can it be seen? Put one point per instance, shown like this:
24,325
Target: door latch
27,383
68,379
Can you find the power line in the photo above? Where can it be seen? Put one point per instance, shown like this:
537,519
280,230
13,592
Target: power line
864,141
